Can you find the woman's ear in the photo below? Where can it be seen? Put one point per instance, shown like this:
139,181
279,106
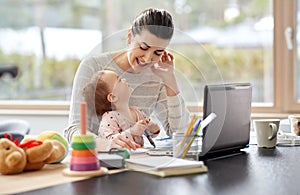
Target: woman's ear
112,98
129,37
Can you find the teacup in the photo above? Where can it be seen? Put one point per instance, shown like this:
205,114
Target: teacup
266,132
295,124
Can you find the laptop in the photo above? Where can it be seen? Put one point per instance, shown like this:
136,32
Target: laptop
229,132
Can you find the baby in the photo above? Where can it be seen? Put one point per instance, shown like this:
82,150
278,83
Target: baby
111,95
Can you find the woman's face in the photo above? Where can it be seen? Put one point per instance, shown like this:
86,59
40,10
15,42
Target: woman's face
145,49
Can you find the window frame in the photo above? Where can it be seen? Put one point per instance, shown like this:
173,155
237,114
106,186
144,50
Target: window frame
284,59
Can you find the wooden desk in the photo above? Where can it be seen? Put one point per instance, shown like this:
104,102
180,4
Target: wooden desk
255,172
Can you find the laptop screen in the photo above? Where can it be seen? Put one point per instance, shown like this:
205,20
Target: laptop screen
231,128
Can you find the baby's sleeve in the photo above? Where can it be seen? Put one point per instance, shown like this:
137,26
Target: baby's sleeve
108,126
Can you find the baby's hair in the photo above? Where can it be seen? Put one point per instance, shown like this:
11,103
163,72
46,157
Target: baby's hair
157,21
95,94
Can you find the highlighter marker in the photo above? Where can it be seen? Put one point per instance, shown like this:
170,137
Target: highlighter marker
147,134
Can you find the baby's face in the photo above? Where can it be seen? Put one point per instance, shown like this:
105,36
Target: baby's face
117,86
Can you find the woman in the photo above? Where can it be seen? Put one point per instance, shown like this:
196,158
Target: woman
147,67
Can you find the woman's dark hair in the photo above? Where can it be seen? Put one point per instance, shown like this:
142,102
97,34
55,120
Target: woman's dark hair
157,21
95,94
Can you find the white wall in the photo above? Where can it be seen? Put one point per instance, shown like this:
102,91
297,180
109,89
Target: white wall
40,122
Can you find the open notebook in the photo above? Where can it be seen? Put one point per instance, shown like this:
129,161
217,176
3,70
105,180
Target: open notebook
164,166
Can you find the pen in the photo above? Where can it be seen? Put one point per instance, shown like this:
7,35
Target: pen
164,139
197,126
187,132
147,134
190,126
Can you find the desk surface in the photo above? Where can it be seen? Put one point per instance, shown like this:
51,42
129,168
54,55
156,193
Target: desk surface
258,171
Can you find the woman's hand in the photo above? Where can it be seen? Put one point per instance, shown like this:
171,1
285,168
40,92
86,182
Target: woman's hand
164,68
120,141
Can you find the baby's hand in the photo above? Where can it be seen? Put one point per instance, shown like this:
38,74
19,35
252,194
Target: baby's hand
153,127
139,127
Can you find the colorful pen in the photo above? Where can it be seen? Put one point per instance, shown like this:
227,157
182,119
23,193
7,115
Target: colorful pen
164,139
197,126
147,134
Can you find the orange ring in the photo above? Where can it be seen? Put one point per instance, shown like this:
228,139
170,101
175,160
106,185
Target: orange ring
85,153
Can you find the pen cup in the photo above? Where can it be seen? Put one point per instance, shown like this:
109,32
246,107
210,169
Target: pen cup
186,146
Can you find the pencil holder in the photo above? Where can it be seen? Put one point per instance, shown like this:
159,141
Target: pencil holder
186,146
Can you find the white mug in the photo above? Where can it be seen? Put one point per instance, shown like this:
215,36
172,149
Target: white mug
266,132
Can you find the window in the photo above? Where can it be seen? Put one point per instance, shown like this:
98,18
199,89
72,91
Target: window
215,41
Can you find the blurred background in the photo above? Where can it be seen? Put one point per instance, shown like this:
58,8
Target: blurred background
215,41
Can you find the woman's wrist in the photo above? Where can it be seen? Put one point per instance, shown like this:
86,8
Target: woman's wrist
171,86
